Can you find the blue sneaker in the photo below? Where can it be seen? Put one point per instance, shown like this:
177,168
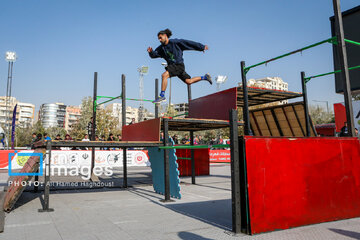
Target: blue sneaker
208,78
159,99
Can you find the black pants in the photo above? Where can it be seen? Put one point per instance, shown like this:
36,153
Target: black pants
178,70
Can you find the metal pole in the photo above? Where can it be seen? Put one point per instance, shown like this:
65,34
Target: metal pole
93,125
189,93
7,102
156,95
306,108
247,129
166,161
170,94
344,67
123,122
192,158
235,172
47,179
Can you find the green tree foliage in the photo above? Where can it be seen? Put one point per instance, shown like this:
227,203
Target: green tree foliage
105,122
319,115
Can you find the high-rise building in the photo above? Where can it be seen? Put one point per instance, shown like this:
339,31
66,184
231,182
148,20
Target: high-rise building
6,111
73,113
24,112
52,115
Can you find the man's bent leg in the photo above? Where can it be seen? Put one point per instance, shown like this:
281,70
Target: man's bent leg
206,77
165,77
192,80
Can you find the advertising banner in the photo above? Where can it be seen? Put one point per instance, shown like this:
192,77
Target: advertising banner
79,159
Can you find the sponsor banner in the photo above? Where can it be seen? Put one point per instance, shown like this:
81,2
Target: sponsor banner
79,159
220,156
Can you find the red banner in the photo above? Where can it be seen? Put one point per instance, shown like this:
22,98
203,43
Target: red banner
220,156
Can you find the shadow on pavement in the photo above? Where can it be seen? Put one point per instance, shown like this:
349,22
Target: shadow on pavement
192,236
354,235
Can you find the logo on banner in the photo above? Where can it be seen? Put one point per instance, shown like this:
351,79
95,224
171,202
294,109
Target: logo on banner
112,158
24,157
140,158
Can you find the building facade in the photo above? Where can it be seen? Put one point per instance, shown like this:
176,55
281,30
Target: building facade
270,83
181,108
116,110
72,115
24,112
52,115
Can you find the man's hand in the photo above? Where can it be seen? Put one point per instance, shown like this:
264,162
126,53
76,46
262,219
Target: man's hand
149,49
206,48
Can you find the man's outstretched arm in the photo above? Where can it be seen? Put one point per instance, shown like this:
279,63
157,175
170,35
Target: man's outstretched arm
191,45
153,53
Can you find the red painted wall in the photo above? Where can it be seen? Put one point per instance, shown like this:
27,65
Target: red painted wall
214,106
202,163
300,181
143,131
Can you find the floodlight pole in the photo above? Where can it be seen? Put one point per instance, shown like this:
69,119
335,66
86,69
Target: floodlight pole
10,57
339,31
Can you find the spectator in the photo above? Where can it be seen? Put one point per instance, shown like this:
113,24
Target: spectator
58,138
85,139
33,138
111,137
344,130
175,138
46,137
196,140
68,138
38,137
357,133
132,121
161,136
185,140
119,137
102,138
97,138
213,141
201,140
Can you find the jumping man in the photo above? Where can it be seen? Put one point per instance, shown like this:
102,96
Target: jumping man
172,51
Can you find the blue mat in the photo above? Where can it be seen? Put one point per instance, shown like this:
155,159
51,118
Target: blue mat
156,157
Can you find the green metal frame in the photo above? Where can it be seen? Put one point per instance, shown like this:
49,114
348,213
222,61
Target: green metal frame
196,146
113,98
332,40
307,79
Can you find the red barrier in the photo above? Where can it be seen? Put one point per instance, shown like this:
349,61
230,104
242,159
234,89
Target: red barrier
300,181
220,156
214,106
202,164
144,131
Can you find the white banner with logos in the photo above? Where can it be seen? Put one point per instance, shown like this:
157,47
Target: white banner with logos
103,158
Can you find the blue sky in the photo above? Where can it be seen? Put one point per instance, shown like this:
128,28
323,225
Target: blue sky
60,44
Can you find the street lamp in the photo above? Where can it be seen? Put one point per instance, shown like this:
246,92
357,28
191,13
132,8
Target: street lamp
327,104
143,70
10,57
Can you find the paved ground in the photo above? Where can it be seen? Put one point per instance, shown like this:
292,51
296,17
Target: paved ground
204,213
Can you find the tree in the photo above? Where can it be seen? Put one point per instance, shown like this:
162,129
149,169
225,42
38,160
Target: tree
319,115
105,122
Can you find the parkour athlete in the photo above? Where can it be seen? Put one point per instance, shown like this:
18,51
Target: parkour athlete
172,51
